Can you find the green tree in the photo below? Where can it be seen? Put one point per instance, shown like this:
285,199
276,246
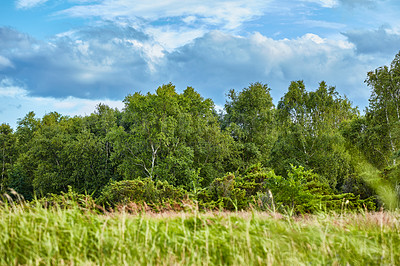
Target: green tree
8,153
43,160
309,124
100,124
382,121
375,137
102,120
149,123
169,136
60,152
250,120
21,174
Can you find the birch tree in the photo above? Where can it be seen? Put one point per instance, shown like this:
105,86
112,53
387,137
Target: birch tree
383,112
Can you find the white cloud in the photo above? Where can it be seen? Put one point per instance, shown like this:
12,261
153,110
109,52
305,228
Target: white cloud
104,61
381,41
15,103
110,61
229,14
26,4
314,38
72,106
321,24
366,3
10,90
324,3
170,37
5,62
189,19
218,62
352,3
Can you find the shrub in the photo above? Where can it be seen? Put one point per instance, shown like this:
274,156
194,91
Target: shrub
66,200
140,191
306,192
223,193
302,191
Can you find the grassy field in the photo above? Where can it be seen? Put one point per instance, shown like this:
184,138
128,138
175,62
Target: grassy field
36,235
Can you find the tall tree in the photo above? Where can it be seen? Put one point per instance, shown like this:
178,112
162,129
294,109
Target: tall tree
21,174
309,136
169,136
8,153
383,114
250,120
56,152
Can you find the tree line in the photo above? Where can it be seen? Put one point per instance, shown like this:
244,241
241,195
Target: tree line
313,140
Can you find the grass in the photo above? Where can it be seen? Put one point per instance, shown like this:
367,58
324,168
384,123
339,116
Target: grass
36,235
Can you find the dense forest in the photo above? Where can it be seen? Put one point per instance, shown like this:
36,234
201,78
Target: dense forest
314,150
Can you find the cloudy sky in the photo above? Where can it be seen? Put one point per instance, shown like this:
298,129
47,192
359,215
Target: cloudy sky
69,55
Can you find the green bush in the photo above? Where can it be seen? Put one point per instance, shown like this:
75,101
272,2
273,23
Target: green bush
66,200
254,179
223,193
302,191
140,191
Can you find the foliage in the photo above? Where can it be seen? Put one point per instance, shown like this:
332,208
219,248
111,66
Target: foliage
7,154
168,136
66,200
140,191
312,151
300,191
57,152
378,134
310,133
249,119
306,192
223,193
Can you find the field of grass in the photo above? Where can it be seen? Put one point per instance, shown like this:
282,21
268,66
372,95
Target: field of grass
35,235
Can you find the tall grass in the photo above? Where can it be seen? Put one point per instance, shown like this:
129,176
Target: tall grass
37,235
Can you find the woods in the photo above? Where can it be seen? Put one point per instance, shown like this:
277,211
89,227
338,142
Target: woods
307,153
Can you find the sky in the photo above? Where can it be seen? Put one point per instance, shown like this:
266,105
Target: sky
70,55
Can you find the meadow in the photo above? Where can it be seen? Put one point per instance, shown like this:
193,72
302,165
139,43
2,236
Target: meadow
34,235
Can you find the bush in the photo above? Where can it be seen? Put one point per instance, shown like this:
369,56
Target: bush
235,193
66,200
302,191
140,191
223,193
306,192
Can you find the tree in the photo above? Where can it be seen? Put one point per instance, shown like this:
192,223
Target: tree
375,137
8,153
100,124
58,151
21,173
383,114
249,119
149,122
169,136
310,136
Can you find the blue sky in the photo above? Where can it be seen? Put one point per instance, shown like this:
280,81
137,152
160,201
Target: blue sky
70,55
